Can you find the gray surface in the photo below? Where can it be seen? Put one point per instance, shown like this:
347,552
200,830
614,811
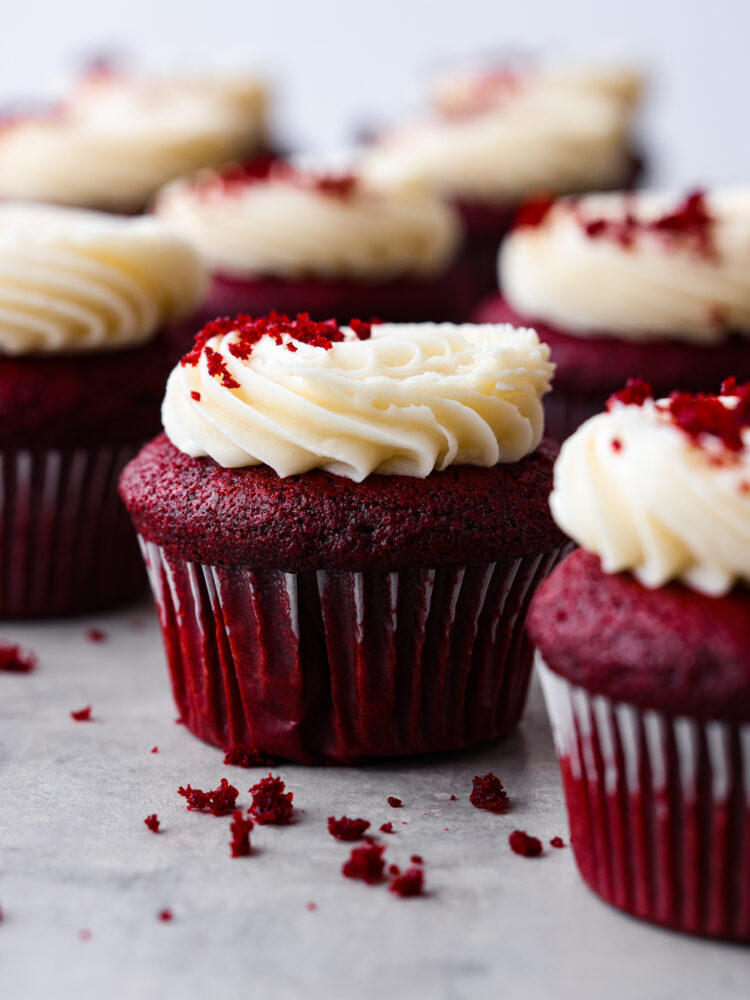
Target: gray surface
74,854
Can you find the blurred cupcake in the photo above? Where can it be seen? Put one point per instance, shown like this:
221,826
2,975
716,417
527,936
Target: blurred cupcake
85,302
643,639
343,529
621,285
279,237
116,138
497,138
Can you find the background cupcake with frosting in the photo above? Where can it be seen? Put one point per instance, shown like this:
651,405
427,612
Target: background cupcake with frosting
86,302
282,237
495,138
643,638
655,285
344,527
116,138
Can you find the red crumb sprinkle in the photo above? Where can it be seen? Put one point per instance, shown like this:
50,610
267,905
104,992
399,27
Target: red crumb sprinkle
312,906
16,660
154,749
411,883
96,635
698,414
522,843
194,394
240,828
270,803
152,822
487,792
217,368
219,802
394,870
82,714
453,798
557,842
690,224
347,829
243,757
84,934
417,859
729,386
365,863
166,915
533,212
616,444
386,828
635,393
394,802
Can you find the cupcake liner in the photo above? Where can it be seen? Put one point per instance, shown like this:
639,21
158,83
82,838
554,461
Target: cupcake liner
659,809
336,666
66,542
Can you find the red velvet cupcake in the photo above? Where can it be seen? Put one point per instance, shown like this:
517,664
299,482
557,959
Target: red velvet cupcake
621,286
116,138
85,350
343,530
643,639
498,137
283,238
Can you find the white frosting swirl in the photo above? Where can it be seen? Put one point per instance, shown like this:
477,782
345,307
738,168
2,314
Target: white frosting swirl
74,281
117,139
657,286
287,226
547,133
633,489
412,399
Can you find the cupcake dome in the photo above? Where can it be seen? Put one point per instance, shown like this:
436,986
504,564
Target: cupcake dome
378,497
116,139
643,638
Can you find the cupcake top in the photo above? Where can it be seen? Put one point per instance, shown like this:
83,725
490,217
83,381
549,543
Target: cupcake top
116,139
500,137
401,399
77,281
280,220
640,267
662,488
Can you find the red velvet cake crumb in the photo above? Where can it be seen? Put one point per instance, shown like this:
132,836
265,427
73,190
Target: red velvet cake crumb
312,906
616,444
386,828
394,802
219,802
194,394
347,829
270,803
533,212
84,934
454,798
635,393
242,757
152,822
488,793
557,842
96,635
697,414
689,224
522,843
166,915
240,828
417,859
411,883
82,714
16,660
154,749
365,863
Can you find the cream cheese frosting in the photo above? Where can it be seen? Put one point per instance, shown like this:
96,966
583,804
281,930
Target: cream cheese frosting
634,489
296,223
411,399
116,139
614,265
546,132
75,281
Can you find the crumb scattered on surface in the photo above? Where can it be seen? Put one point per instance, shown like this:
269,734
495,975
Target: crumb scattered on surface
487,792
96,635
365,863
166,915
394,802
557,842
386,828
521,843
347,829
152,822
409,883
16,660
271,804
82,714
240,828
219,802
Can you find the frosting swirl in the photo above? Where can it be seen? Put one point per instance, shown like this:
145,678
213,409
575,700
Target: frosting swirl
292,222
637,267
411,399
633,488
117,139
546,132
74,281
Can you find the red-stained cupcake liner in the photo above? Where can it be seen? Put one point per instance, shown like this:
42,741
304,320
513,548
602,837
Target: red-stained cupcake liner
66,542
659,809
336,666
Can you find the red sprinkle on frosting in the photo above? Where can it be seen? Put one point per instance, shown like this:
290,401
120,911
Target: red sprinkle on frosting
365,863
410,883
240,828
152,822
347,829
16,660
487,792
270,802
521,843
533,212
690,224
243,757
394,802
219,802
82,714
635,393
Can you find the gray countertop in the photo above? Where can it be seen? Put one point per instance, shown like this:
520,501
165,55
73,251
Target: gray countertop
75,856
